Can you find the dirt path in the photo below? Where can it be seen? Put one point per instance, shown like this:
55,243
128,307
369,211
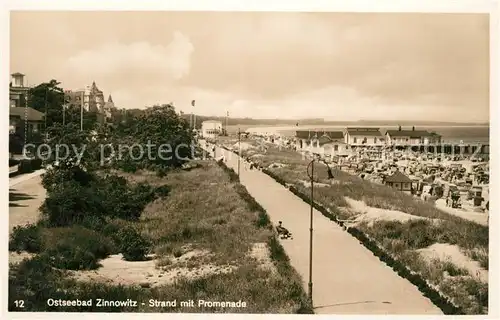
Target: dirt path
477,217
25,197
347,277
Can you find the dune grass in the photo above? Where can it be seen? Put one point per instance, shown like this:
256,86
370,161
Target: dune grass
204,210
397,238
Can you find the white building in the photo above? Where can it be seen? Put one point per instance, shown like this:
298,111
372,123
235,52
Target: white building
364,137
211,129
411,137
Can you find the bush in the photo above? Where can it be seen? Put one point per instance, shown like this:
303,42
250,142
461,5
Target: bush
57,175
133,245
160,173
26,238
76,248
162,191
70,203
25,166
128,166
121,201
68,257
34,281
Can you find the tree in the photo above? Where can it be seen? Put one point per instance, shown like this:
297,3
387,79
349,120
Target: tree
158,125
48,98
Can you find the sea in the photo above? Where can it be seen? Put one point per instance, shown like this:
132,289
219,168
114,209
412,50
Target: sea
449,134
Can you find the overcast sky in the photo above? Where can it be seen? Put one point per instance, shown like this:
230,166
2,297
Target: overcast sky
338,66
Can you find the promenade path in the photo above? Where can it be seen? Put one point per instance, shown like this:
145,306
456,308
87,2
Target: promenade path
26,195
347,277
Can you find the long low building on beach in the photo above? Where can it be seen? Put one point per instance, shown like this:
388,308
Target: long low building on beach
411,137
363,137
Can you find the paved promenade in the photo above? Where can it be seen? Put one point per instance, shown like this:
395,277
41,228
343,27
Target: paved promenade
347,277
26,195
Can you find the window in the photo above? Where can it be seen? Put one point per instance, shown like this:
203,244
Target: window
336,147
374,140
355,140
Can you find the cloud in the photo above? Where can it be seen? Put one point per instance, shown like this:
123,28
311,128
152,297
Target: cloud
268,64
151,62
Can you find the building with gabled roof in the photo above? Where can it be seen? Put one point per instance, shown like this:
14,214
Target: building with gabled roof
411,137
359,136
399,181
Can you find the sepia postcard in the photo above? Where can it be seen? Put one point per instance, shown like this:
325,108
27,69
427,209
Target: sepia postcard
249,162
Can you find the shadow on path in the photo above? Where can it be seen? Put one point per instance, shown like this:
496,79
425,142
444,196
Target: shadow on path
15,196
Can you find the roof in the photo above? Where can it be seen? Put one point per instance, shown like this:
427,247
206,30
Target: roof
17,74
408,133
325,139
311,134
398,177
364,131
33,115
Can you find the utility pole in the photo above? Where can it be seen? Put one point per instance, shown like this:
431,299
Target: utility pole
81,111
193,102
227,115
65,100
45,120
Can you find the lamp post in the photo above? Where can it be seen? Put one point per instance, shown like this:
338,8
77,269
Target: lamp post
239,150
311,177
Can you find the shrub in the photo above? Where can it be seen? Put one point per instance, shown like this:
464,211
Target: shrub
69,203
64,173
26,238
162,191
128,166
111,230
161,173
121,201
89,240
33,281
75,248
133,245
25,166
68,257
93,222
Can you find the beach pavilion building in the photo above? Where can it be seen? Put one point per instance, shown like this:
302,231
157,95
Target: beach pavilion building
363,137
211,129
411,137
399,181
